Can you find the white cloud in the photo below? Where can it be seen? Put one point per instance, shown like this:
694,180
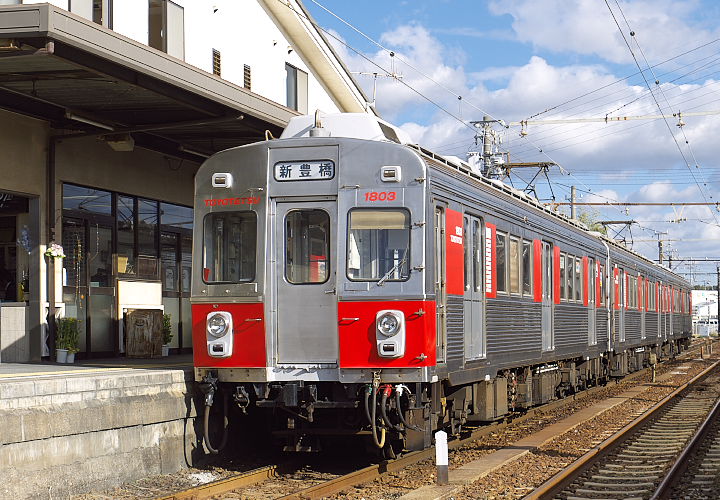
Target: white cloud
586,27
606,156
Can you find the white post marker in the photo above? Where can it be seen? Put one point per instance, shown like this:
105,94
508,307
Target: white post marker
441,457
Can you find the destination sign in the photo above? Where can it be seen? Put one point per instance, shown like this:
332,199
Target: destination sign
304,170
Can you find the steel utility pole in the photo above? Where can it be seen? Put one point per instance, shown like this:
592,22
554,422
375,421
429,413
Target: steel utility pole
573,200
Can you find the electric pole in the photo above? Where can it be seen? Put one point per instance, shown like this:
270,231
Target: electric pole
573,200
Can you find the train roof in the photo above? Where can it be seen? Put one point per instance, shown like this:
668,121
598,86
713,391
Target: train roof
523,197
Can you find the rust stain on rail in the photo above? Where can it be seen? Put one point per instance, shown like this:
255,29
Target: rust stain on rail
224,485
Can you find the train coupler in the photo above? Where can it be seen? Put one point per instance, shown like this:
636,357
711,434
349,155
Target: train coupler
208,387
241,398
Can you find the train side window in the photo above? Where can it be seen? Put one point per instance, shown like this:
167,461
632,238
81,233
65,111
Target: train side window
466,250
578,280
563,278
307,246
501,261
527,267
378,245
229,247
514,265
602,285
570,270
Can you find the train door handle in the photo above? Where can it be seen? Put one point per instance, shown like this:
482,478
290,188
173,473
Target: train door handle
332,290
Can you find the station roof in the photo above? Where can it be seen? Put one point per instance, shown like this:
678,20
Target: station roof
85,78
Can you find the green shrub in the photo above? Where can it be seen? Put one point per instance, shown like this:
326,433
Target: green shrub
167,329
68,334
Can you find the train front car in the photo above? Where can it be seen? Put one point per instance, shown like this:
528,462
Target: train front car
309,292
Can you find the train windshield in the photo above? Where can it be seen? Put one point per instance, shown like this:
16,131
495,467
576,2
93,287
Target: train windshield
378,245
229,247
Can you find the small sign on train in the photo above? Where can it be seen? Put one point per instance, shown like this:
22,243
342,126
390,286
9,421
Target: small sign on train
304,170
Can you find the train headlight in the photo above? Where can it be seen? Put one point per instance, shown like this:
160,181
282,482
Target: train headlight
389,323
218,323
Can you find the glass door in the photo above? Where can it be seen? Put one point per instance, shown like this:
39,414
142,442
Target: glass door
101,290
171,280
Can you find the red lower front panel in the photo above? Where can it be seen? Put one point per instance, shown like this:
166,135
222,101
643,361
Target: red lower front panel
248,336
358,347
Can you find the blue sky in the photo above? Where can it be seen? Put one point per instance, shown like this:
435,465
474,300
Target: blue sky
514,59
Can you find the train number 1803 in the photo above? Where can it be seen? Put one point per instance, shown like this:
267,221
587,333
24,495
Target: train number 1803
381,196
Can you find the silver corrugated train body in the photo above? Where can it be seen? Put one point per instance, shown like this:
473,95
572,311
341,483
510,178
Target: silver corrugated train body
364,285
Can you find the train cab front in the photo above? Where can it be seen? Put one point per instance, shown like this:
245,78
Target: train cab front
309,292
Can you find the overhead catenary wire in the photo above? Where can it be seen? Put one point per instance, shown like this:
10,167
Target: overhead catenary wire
637,63
410,87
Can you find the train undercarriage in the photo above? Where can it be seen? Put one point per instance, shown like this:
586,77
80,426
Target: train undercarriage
391,418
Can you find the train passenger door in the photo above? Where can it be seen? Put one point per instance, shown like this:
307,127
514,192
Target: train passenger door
671,309
548,337
641,305
622,301
440,290
474,299
306,300
591,291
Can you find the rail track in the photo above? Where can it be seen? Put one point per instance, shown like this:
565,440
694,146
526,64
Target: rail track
337,484
636,462
696,474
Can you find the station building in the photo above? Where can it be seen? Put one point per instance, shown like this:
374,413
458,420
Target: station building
107,109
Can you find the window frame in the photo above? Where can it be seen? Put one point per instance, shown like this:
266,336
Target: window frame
500,235
579,288
204,247
409,240
514,262
527,270
328,246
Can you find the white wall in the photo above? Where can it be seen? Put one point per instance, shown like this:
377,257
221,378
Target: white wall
243,33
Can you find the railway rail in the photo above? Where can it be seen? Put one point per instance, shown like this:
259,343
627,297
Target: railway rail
634,462
372,472
696,473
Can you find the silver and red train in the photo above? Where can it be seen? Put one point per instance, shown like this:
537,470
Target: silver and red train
348,283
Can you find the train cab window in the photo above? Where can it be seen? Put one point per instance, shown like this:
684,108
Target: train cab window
378,247
307,246
229,247
501,261
514,265
527,267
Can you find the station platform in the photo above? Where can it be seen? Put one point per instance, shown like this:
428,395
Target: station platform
9,371
70,428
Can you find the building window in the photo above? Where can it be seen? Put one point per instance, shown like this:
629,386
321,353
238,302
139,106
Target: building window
166,27
297,89
101,11
247,77
216,62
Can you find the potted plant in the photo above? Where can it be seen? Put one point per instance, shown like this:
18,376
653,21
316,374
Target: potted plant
67,340
72,351
166,334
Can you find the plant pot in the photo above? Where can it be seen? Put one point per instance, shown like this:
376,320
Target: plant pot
166,350
61,355
70,357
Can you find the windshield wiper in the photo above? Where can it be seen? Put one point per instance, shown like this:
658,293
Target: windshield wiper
394,268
